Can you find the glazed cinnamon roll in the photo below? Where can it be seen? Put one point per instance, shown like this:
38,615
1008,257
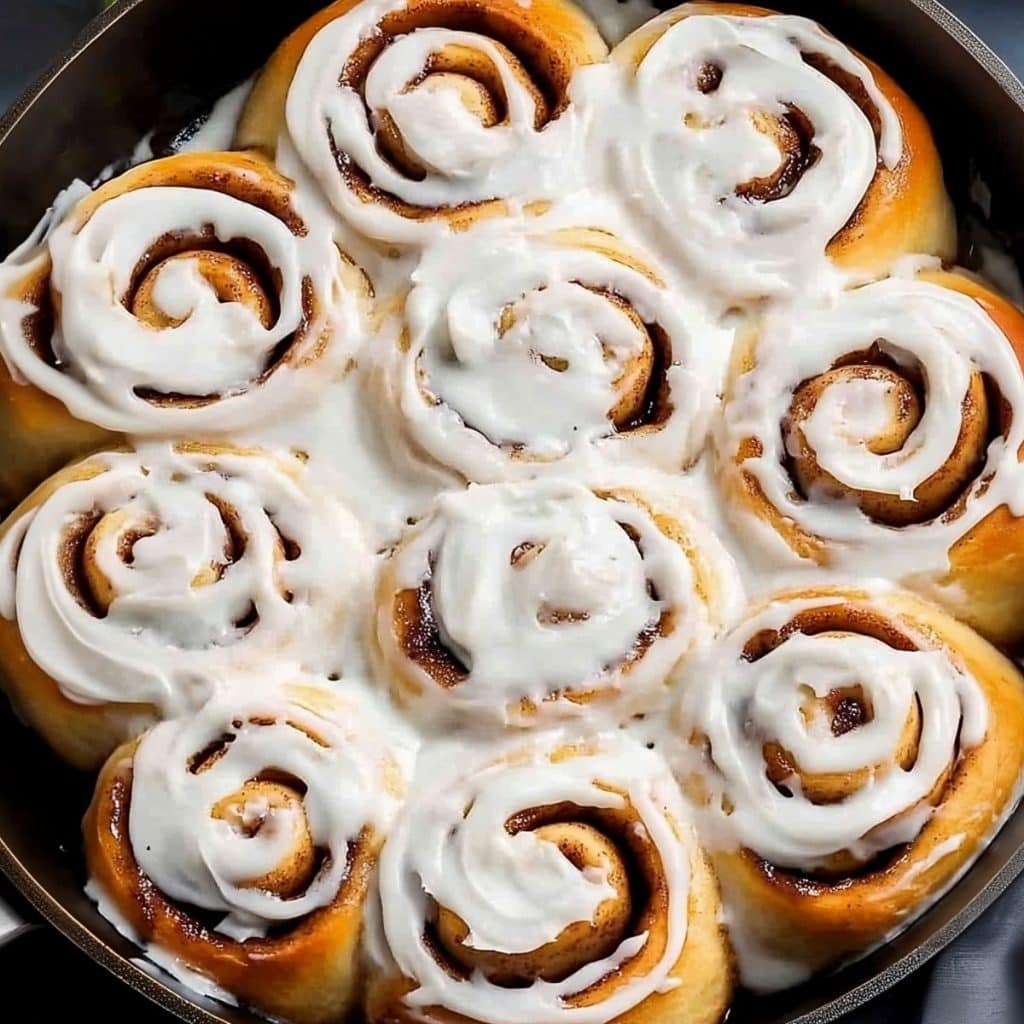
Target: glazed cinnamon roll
526,350
509,602
237,845
425,112
853,751
883,435
759,144
548,885
198,293
133,577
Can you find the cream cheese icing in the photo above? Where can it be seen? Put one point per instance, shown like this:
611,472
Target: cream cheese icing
495,355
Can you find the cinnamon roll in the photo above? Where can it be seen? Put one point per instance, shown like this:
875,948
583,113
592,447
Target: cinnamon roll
883,435
133,577
425,112
853,750
549,885
525,350
760,144
509,602
237,845
198,293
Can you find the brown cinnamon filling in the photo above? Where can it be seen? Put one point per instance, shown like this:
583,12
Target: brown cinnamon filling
238,271
842,710
905,397
611,840
83,539
538,66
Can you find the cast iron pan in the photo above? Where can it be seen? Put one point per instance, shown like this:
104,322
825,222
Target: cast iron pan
162,62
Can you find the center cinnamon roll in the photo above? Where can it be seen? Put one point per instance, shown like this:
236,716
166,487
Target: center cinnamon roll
511,601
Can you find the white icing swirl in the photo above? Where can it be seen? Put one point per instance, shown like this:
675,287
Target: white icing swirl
450,846
206,558
741,703
546,592
213,365
336,128
524,350
933,333
200,822
684,146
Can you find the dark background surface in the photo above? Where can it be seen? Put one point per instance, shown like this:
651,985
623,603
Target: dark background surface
980,979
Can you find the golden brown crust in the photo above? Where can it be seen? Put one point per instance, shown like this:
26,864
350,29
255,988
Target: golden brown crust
82,734
307,975
987,565
37,433
819,920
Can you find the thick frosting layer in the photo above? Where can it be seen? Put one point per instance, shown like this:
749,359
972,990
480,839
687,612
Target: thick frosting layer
747,155
145,572
580,338
543,595
452,848
249,806
184,308
923,344
447,148
784,706
525,349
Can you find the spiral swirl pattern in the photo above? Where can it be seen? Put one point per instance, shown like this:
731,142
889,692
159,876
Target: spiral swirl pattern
135,576
762,135
513,600
410,112
198,293
524,351
543,887
255,806
832,729
238,845
877,433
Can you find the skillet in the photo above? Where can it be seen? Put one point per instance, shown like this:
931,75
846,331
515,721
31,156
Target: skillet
162,62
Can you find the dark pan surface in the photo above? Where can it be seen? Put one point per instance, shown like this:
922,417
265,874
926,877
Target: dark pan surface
162,62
